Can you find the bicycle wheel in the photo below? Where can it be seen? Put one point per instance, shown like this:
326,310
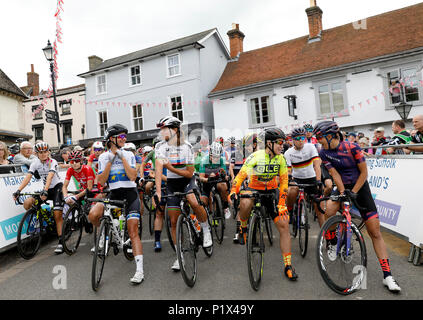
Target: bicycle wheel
151,213
358,220
343,272
294,223
303,229
186,250
255,251
101,250
218,219
168,230
269,231
73,224
29,234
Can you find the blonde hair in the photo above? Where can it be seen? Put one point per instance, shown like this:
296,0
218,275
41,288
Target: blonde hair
6,151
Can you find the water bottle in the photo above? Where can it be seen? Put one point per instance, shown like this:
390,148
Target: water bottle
121,222
196,224
115,229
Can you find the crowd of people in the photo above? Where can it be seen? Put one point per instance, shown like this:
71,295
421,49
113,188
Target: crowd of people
262,162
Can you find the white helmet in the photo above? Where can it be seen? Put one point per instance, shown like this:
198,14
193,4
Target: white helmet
216,149
129,146
98,145
147,149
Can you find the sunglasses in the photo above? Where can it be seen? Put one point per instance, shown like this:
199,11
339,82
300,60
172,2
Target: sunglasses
279,142
120,136
74,161
96,149
320,136
299,138
309,130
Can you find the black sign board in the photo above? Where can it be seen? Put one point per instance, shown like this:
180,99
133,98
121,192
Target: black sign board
51,116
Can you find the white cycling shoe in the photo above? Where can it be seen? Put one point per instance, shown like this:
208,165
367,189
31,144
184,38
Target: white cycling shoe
175,266
207,239
137,278
391,284
227,213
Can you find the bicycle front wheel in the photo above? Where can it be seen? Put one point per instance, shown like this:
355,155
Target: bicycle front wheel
269,231
169,230
218,219
303,228
101,250
29,234
72,229
255,251
186,250
341,256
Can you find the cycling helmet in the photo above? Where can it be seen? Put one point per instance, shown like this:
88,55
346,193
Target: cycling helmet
129,146
75,155
147,149
298,132
41,146
169,121
114,130
220,140
273,134
98,145
216,149
326,127
231,139
14,149
249,139
308,127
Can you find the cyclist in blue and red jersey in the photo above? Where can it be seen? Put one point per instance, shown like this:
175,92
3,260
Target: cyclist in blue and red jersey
347,165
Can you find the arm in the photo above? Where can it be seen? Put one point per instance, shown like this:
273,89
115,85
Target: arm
131,172
159,174
316,165
337,179
49,179
362,178
25,181
65,188
187,172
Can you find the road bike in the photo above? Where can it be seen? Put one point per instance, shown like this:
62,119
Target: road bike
37,222
341,251
148,203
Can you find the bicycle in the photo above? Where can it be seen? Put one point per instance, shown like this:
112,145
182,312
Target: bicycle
113,233
344,254
36,222
75,221
189,237
255,237
148,203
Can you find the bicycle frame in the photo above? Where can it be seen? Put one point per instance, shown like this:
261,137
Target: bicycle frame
347,215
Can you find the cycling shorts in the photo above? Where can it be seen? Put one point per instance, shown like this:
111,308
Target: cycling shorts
55,194
133,204
179,185
270,204
364,199
308,190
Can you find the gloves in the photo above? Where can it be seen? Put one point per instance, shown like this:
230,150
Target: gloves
119,153
232,196
44,193
70,199
283,212
351,194
17,194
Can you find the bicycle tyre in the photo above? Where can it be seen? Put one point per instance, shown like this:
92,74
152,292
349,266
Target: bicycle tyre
33,240
186,250
303,230
294,226
100,254
168,227
255,251
218,219
72,229
341,262
358,221
269,230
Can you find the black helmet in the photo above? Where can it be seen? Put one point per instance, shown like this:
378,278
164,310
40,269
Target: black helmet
326,127
14,149
298,132
169,121
114,130
273,134
308,127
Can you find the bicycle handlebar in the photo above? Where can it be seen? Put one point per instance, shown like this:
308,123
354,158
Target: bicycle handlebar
341,198
119,203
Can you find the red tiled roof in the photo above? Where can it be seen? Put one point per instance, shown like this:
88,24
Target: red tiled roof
387,33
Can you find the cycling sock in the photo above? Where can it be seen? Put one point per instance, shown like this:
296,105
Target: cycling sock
384,263
157,234
205,225
244,223
139,262
287,259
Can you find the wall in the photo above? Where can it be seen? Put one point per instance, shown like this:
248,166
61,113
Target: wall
11,112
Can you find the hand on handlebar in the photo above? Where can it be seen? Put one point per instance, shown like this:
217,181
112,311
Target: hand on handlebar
16,194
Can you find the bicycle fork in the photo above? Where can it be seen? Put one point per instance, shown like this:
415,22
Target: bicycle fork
344,236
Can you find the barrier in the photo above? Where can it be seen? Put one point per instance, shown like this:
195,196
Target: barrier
11,213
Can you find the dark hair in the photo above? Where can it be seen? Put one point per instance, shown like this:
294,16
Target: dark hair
399,123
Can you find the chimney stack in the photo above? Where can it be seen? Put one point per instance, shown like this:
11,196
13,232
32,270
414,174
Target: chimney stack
33,81
94,61
314,14
236,39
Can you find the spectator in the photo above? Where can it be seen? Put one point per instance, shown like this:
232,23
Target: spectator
64,153
395,90
360,135
379,139
401,136
25,156
417,134
4,153
364,143
352,137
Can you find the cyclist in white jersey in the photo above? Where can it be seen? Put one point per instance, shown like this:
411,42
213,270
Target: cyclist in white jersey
177,156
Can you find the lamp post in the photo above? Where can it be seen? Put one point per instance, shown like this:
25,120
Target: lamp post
403,110
48,52
292,105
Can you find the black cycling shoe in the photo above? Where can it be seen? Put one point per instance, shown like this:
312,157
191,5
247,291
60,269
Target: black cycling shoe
88,227
290,273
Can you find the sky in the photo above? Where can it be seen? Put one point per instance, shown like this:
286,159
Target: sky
110,28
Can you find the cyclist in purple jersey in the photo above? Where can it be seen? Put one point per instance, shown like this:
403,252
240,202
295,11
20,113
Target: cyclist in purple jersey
347,166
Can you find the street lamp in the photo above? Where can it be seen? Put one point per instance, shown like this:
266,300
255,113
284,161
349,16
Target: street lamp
403,110
48,52
292,105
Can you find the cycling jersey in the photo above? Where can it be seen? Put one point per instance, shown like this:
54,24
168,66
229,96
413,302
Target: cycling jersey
344,159
312,140
179,156
117,177
94,162
207,167
302,160
400,138
418,137
83,176
44,168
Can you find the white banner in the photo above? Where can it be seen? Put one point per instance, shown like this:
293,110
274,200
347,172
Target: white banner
11,213
396,185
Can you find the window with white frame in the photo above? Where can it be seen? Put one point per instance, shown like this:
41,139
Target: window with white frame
102,122
403,84
260,110
331,97
101,84
173,65
135,75
38,132
66,106
137,117
176,107
38,115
